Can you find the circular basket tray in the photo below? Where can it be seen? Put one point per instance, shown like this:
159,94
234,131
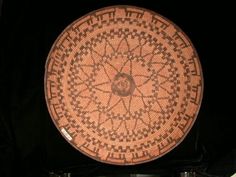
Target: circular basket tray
123,85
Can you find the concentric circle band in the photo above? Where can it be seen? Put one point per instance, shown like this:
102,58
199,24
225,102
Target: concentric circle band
123,85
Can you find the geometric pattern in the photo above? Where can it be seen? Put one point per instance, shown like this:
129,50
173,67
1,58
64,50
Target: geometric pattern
123,85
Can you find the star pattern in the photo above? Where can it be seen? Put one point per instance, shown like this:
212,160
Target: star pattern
150,73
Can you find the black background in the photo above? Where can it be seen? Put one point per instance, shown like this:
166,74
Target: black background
30,144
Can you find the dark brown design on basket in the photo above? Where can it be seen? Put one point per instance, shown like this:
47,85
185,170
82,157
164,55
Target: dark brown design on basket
123,85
